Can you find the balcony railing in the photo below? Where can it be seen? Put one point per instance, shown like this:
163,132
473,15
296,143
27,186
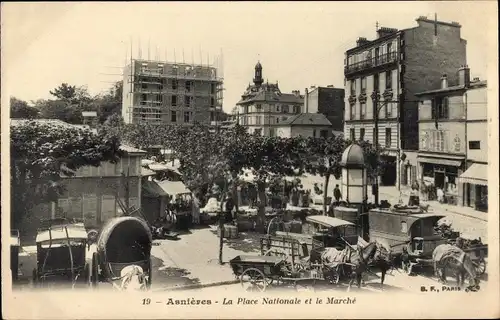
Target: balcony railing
371,63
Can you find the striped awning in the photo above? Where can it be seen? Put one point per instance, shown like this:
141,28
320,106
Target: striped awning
476,174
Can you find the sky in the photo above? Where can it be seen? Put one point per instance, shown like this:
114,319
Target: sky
300,44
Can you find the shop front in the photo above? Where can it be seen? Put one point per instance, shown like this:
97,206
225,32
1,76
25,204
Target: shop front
475,186
438,177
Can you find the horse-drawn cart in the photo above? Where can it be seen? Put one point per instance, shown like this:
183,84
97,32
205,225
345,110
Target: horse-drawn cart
61,250
123,254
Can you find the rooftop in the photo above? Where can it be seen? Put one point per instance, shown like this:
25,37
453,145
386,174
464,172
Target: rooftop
307,119
472,85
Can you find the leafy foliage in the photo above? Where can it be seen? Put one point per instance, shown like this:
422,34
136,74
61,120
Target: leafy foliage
20,109
42,153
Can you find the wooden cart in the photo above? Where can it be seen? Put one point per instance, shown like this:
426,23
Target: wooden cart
478,254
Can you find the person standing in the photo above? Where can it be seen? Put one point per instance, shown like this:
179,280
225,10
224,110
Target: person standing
228,207
196,210
337,194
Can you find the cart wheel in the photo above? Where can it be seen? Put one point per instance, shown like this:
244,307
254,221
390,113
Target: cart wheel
274,225
253,280
95,270
480,267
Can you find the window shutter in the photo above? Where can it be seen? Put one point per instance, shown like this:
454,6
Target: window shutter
89,209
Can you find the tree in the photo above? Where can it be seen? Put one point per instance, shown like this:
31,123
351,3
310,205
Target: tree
19,109
111,102
324,159
269,156
42,154
64,92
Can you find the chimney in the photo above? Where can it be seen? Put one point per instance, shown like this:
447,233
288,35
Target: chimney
444,81
464,76
361,41
306,100
476,79
383,31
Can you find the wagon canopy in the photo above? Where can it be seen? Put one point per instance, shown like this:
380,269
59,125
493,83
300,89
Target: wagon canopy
125,240
423,224
329,222
57,235
174,188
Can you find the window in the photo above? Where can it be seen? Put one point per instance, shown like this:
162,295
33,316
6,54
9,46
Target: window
376,86
353,134
474,145
187,101
186,116
363,111
277,108
212,116
286,109
212,88
144,86
440,108
173,116
353,87
188,86
258,120
258,106
272,132
388,80
174,101
212,102
389,48
144,97
363,85
297,109
258,131
388,141
174,84
362,134
323,133
277,119
353,111
377,53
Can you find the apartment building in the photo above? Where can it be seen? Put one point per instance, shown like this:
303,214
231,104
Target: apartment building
382,77
263,106
328,101
453,133
171,93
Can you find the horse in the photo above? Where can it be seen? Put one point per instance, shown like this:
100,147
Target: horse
357,257
447,256
382,260
133,278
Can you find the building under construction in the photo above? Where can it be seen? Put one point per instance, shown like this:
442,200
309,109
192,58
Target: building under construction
171,93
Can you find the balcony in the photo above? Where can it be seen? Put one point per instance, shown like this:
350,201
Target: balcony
365,65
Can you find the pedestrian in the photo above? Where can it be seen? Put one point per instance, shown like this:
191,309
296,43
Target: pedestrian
337,194
440,195
228,207
196,210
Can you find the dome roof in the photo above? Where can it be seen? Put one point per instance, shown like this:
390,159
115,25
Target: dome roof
353,156
258,65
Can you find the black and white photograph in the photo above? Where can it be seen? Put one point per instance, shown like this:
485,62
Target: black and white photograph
250,159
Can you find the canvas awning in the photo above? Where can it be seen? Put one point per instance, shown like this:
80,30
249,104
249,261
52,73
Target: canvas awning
59,233
476,174
151,189
173,187
329,222
441,161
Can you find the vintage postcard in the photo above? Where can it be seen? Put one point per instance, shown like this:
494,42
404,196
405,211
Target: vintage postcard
178,160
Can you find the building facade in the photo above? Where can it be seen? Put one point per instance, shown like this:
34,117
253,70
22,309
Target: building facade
263,106
314,125
452,154
328,101
171,93
383,75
